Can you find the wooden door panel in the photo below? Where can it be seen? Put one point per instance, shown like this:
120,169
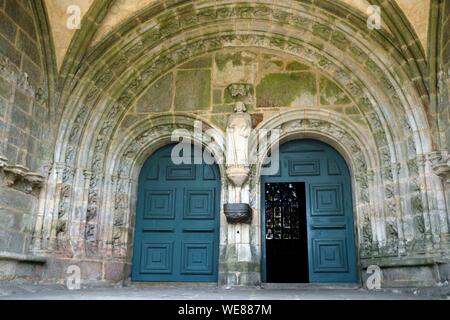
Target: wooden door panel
177,222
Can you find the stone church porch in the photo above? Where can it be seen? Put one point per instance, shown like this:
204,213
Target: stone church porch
92,93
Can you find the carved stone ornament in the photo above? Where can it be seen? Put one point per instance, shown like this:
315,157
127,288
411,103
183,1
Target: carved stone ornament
440,163
20,177
240,91
238,212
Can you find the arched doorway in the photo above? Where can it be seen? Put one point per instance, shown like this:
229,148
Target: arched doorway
308,224
177,221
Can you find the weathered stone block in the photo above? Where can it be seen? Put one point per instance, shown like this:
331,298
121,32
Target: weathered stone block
91,270
296,66
217,96
12,268
2,108
23,101
286,90
33,71
5,89
193,90
7,27
10,198
407,276
55,269
7,49
224,108
19,118
29,47
11,241
11,153
131,119
10,219
17,242
239,67
444,272
273,66
220,121
115,271
20,16
158,97
17,137
199,63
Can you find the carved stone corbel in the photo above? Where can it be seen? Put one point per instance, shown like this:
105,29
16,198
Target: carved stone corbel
20,177
14,173
35,182
440,163
3,162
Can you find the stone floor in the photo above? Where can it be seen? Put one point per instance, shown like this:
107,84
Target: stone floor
26,291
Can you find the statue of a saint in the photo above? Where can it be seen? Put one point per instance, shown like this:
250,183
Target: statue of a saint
238,132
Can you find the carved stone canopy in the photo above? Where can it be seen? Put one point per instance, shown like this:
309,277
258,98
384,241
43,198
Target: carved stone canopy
240,91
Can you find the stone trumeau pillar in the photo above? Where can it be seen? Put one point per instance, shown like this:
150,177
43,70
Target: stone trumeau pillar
240,266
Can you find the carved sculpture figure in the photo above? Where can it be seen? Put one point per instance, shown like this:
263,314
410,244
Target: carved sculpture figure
238,132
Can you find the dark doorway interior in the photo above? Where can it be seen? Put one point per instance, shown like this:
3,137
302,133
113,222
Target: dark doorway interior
286,238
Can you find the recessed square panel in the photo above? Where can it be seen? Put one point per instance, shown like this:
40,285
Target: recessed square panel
304,167
153,172
330,255
159,204
180,172
327,200
199,204
156,258
197,258
333,168
208,173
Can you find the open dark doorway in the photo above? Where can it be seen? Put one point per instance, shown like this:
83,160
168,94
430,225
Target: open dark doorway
286,233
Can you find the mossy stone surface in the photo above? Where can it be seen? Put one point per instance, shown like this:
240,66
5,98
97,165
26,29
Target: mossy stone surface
158,97
296,66
199,63
331,94
193,90
217,96
286,90
227,108
236,59
235,67
220,120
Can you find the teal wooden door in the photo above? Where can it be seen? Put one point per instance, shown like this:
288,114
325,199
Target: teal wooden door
329,209
177,221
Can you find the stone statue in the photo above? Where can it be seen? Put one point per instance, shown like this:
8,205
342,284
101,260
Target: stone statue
239,128
238,132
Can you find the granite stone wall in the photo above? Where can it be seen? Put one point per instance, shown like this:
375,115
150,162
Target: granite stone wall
24,124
